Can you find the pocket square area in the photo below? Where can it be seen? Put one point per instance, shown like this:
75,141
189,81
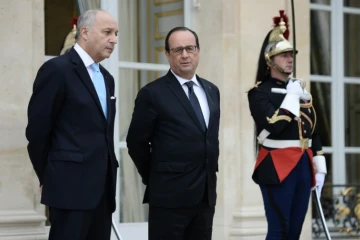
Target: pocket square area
112,97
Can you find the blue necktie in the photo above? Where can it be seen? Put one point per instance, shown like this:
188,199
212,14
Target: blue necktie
99,84
195,104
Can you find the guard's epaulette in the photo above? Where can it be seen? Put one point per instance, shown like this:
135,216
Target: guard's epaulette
256,85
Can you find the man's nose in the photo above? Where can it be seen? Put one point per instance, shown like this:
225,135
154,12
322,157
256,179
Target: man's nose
113,39
184,53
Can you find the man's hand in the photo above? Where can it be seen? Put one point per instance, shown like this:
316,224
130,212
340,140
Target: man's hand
294,87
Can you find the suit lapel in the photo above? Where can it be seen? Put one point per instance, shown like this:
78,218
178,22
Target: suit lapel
85,78
208,93
178,91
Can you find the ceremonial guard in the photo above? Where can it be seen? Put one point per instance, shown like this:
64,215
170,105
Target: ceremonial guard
290,160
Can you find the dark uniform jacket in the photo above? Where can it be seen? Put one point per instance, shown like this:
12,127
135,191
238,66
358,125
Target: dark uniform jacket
275,163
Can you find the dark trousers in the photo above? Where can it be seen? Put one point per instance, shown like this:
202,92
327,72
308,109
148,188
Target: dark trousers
83,225
187,223
286,204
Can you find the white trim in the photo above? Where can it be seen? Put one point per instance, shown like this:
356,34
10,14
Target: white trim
271,143
353,150
320,78
143,66
351,10
320,7
352,80
328,150
337,39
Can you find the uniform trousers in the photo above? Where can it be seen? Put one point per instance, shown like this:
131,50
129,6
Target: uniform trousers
286,203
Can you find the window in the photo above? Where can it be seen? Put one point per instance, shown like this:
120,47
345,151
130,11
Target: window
335,84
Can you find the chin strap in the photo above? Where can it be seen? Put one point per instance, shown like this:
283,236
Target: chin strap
272,64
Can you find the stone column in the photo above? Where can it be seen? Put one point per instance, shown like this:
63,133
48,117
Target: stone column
22,52
231,33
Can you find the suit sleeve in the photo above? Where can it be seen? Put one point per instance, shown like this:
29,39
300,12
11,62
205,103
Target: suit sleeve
140,132
44,106
266,115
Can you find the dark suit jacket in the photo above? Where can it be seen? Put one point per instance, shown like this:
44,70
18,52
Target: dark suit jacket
70,140
174,157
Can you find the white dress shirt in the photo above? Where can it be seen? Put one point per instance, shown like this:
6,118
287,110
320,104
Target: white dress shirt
85,57
200,94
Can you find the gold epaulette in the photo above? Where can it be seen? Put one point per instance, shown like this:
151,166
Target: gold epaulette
256,85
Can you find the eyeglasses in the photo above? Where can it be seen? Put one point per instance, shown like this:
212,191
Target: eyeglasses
180,50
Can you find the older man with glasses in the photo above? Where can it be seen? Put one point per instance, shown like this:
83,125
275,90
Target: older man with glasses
173,140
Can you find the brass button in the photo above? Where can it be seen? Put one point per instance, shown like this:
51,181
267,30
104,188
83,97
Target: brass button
304,131
303,123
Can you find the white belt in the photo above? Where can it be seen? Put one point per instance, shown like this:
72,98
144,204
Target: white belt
304,143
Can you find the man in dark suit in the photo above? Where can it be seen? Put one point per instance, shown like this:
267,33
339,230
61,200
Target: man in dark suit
173,141
70,132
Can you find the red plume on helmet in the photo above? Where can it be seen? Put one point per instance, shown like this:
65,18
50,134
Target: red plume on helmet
285,20
74,21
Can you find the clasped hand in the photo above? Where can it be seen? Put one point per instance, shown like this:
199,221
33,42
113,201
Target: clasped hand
294,87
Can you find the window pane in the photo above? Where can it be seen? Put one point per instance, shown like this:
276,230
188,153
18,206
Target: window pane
352,45
321,93
129,83
352,115
353,168
325,2
352,3
131,191
143,26
320,33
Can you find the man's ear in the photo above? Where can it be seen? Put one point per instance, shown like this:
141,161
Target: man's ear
84,33
167,54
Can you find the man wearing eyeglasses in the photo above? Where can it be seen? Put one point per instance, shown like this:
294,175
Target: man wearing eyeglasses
173,141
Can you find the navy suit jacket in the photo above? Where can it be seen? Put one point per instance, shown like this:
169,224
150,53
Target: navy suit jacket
70,141
175,158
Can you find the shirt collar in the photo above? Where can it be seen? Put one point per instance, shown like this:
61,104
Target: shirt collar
85,57
182,81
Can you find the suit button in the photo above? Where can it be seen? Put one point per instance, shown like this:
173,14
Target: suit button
207,141
207,160
106,157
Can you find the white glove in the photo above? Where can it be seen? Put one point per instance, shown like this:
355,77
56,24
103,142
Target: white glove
306,95
294,87
320,179
291,101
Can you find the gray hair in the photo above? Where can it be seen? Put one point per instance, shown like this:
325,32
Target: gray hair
87,20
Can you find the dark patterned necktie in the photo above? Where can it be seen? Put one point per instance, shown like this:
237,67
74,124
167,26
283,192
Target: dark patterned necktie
196,105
